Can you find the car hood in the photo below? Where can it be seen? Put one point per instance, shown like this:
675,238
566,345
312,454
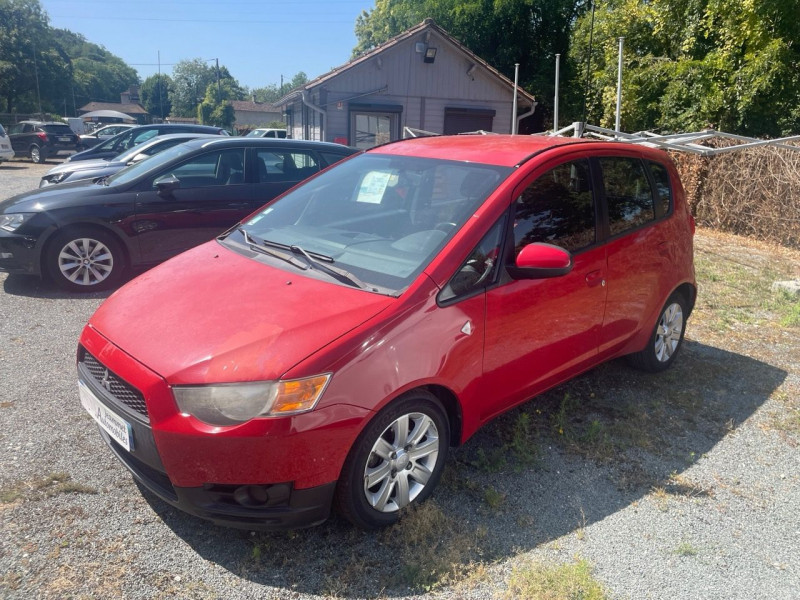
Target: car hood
213,316
53,196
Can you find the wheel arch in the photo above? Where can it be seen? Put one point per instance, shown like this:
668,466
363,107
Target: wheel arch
689,292
452,407
82,225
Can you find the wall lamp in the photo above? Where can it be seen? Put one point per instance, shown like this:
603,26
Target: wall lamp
430,55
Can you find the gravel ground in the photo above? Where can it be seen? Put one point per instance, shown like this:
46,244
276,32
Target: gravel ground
683,485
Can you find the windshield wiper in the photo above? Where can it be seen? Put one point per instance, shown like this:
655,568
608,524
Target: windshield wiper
315,261
260,246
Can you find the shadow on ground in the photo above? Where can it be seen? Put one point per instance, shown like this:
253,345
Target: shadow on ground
563,461
33,286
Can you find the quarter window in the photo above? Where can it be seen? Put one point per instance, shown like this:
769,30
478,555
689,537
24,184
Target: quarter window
663,190
557,208
283,166
629,196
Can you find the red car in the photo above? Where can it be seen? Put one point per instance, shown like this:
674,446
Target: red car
329,350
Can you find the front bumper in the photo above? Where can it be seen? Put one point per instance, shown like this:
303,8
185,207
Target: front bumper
19,254
265,474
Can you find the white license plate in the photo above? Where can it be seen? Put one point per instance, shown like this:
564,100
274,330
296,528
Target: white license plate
4,146
64,139
115,426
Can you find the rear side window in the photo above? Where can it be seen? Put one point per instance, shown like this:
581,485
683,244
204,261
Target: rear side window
663,189
557,208
58,129
283,166
629,196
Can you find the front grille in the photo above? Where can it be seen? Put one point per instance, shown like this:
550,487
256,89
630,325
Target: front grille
122,391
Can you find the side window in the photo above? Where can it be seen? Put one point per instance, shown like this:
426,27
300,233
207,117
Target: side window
224,167
480,268
663,190
628,194
331,159
558,208
142,137
283,166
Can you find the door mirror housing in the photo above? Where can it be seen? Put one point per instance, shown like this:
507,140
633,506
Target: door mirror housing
540,261
167,185
137,158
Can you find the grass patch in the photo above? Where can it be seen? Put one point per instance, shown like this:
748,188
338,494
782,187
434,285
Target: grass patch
686,549
536,581
45,487
493,498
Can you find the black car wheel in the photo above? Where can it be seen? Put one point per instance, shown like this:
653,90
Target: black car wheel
396,461
85,259
37,155
666,339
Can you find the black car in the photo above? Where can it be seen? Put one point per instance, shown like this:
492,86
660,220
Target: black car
136,135
40,140
85,234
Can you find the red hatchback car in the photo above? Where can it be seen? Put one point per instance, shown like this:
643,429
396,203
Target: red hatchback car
329,350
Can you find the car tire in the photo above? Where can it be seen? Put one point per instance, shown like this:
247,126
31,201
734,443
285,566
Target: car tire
37,154
396,461
84,259
666,339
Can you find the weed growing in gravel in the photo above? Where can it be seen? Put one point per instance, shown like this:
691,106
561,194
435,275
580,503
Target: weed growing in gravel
686,549
45,487
493,498
536,581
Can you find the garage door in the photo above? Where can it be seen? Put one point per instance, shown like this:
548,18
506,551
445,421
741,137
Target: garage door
459,120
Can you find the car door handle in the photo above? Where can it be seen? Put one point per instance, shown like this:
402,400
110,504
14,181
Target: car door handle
594,278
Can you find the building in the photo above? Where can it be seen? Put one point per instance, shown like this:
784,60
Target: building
421,79
128,104
251,114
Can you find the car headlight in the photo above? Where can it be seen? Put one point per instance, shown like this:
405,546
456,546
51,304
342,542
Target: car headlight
230,404
13,221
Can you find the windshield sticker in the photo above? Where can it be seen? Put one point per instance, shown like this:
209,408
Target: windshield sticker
373,186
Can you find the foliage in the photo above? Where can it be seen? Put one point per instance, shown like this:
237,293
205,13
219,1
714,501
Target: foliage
274,92
216,108
537,581
502,32
693,64
155,95
190,82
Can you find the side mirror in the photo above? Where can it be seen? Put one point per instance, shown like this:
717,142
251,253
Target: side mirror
137,158
167,185
541,261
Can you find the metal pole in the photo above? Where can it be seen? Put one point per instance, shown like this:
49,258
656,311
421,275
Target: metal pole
619,84
514,104
160,102
555,99
219,88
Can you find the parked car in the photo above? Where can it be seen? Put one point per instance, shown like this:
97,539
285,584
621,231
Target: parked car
90,169
269,133
90,140
6,151
41,140
85,234
331,348
136,135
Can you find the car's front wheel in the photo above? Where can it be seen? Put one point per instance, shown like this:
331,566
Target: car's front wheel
83,260
666,339
396,461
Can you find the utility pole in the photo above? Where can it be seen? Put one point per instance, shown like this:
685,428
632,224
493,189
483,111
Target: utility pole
219,88
160,102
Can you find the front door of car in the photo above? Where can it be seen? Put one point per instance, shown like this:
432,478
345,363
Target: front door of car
279,169
541,331
191,203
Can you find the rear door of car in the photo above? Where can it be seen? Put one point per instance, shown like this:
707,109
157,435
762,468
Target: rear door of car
213,195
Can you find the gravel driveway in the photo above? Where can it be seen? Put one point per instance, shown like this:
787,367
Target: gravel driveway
682,485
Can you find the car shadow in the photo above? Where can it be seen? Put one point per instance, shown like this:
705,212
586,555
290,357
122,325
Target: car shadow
33,286
569,458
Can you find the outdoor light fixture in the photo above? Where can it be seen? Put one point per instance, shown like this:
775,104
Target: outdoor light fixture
430,55
420,47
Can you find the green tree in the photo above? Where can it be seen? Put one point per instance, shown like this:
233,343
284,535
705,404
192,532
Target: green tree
216,108
274,92
692,64
155,95
30,59
190,80
502,32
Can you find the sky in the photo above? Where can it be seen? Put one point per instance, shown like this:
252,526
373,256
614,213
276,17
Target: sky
257,40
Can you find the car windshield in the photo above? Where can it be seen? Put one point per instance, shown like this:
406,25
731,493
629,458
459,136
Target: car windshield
130,173
381,218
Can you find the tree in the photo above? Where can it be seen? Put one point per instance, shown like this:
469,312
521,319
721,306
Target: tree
693,64
190,80
155,95
273,92
216,108
502,32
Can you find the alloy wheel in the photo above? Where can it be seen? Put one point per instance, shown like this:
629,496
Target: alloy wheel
668,332
85,261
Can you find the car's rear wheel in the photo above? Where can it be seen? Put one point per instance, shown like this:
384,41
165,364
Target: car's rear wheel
666,339
37,154
396,461
83,260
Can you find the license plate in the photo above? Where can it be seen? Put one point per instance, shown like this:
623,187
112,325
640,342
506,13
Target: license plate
64,139
4,146
118,428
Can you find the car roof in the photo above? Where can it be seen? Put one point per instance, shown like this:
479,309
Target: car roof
236,142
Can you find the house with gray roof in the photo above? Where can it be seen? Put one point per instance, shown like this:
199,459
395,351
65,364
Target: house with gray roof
423,79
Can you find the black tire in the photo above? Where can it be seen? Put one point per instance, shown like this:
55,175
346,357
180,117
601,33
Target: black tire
37,154
666,339
84,259
401,476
